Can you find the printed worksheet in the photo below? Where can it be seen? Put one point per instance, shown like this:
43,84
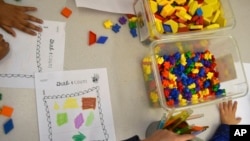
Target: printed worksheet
114,6
74,106
29,54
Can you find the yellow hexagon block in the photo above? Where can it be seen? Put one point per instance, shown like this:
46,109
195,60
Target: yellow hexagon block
174,25
167,10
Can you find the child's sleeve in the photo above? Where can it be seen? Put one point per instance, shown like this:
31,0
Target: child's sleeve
222,133
134,138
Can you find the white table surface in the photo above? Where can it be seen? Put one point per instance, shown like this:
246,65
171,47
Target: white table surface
121,55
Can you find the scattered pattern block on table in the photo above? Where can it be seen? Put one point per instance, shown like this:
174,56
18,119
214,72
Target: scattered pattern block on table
108,24
6,111
8,126
92,38
122,20
116,28
102,39
66,12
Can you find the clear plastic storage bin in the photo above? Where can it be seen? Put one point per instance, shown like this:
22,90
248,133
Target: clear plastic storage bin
148,24
229,68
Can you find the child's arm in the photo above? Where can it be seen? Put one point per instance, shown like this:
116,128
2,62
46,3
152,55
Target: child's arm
221,133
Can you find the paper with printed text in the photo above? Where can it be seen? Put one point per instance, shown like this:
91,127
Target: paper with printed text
29,54
74,106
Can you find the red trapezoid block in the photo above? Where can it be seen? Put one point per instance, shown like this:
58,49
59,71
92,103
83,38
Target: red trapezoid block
92,38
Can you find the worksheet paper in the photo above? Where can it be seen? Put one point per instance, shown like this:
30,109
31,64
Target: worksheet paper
74,106
29,54
114,6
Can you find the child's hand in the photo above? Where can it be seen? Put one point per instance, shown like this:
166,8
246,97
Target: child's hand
12,16
227,113
4,47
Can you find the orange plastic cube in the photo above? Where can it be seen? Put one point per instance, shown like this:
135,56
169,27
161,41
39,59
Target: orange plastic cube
6,111
66,12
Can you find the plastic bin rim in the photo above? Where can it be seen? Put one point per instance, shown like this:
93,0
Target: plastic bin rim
186,38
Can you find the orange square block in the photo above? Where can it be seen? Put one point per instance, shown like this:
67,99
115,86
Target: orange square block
66,12
6,111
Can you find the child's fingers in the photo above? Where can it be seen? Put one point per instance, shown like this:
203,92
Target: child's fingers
9,30
27,8
1,37
186,137
229,104
33,19
224,106
32,26
26,29
238,119
234,108
221,109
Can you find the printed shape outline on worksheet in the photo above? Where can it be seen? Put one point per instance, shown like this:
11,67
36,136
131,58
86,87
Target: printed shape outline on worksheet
74,105
80,93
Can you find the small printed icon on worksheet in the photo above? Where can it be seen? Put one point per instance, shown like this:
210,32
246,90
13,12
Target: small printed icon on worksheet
95,78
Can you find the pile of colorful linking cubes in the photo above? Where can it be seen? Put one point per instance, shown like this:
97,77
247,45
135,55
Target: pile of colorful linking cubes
173,16
131,19
187,78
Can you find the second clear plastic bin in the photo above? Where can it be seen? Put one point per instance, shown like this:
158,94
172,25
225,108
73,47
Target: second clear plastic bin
228,65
